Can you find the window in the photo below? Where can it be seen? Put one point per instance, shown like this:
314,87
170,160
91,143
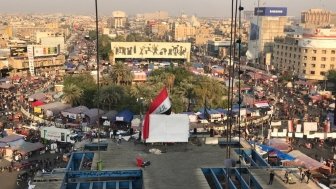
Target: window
290,48
332,59
313,58
313,65
312,72
314,51
323,58
332,66
305,50
304,71
294,48
322,73
304,64
305,58
323,66
332,51
294,55
324,51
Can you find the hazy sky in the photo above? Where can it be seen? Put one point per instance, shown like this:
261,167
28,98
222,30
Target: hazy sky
213,8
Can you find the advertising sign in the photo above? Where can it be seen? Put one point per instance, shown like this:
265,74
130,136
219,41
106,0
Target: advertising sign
18,51
30,52
151,50
270,11
254,32
45,51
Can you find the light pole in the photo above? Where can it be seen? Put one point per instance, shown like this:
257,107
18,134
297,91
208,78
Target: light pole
141,116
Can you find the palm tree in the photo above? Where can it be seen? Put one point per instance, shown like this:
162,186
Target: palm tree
109,95
72,94
121,74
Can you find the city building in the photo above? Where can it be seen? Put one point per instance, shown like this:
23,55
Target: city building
158,15
6,32
267,24
119,19
182,31
315,18
54,41
39,35
218,48
308,56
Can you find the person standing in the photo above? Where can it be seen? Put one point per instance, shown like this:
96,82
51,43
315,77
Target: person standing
308,176
286,177
303,175
271,178
119,139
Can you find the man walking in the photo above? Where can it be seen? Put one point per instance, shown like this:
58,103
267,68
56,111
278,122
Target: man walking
308,176
271,178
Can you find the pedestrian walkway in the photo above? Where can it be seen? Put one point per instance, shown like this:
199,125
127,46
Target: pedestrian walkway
262,177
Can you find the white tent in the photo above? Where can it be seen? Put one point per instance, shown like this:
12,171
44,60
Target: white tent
168,128
332,106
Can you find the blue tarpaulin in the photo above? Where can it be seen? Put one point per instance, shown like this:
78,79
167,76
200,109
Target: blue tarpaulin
125,116
280,154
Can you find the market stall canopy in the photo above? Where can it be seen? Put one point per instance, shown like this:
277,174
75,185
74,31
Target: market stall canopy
92,114
277,152
110,115
73,112
11,138
27,147
6,86
37,103
307,161
54,108
37,96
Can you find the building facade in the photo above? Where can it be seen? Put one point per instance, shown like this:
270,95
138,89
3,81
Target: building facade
267,24
182,31
119,19
308,56
316,18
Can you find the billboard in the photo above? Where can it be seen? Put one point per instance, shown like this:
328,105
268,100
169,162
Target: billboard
30,53
254,32
18,51
45,51
270,11
151,50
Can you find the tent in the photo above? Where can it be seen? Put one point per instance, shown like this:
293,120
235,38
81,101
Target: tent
307,161
125,116
92,114
37,96
27,147
54,108
279,154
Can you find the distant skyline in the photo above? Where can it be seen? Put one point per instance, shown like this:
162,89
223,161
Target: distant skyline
201,8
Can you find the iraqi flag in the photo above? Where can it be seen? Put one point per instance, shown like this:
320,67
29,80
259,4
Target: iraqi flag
160,105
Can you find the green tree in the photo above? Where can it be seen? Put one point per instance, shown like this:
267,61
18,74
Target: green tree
72,94
109,95
332,75
121,74
87,84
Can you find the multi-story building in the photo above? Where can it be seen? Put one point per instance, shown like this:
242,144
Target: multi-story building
267,24
6,32
315,18
182,31
308,56
119,19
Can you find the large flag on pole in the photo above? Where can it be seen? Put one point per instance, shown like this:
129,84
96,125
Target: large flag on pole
160,105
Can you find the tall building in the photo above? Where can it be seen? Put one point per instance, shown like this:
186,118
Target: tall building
183,31
309,56
315,18
119,19
267,24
